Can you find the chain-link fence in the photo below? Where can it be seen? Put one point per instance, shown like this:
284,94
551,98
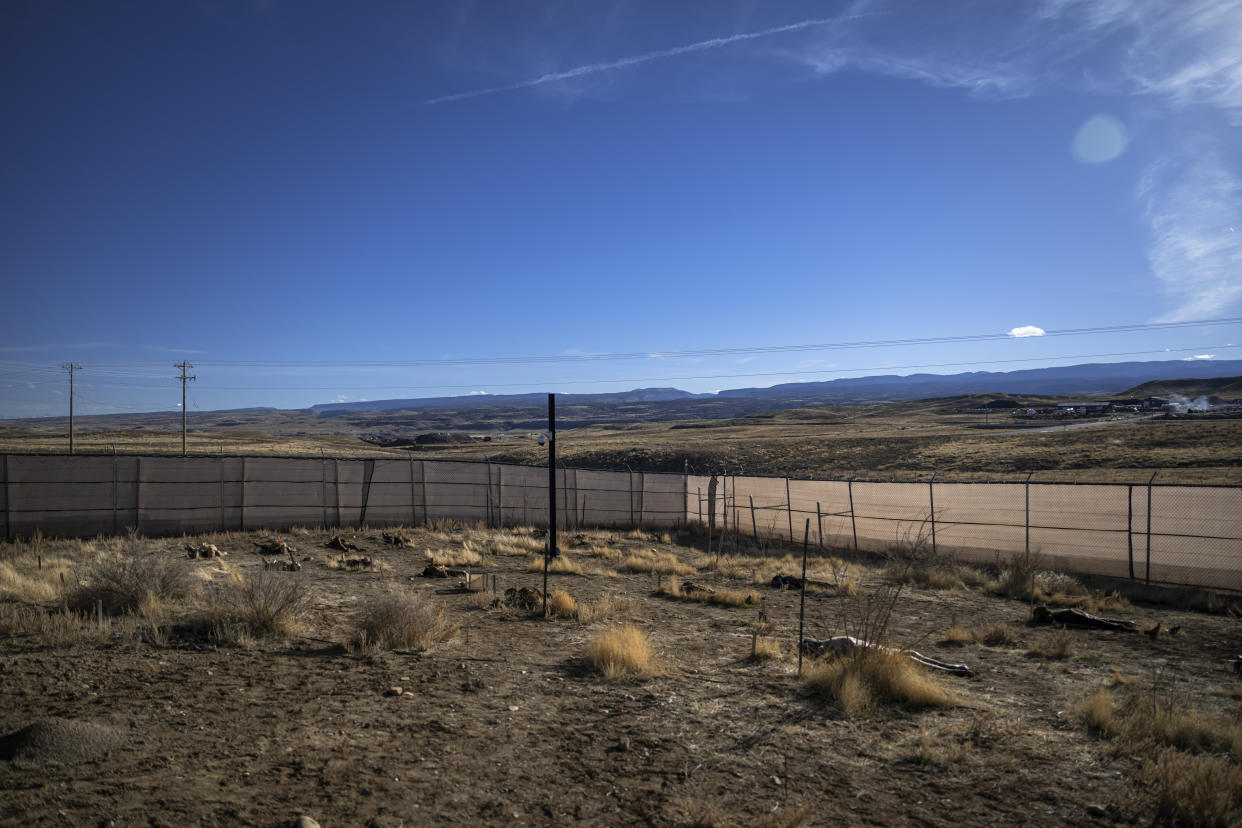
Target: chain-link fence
1180,534
1174,534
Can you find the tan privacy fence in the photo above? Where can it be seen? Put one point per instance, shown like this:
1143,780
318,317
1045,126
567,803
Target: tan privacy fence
82,496
1175,534
1163,533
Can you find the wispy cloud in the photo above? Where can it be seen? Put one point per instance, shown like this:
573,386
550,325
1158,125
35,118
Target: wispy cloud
1198,356
634,60
1194,206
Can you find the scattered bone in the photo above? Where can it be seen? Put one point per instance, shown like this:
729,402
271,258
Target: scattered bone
442,571
1079,618
282,565
524,598
843,645
397,539
343,545
203,550
689,587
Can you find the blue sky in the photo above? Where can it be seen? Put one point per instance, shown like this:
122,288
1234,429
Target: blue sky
317,201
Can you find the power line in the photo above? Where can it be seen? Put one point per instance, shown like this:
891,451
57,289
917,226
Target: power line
71,367
702,352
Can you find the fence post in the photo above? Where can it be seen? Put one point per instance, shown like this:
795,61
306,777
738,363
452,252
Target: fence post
323,486
422,478
698,491
8,508
116,495
754,527
1028,514
1130,527
500,496
806,535
488,499
685,492
221,461
642,498
138,494
931,494
789,511
1149,482
819,525
853,522
630,472
413,496
241,508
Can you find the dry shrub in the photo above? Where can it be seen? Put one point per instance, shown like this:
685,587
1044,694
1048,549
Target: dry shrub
620,651
1195,790
957,637
940,749
1057,644
999,635
870,677
560,564
400,620
655,563
133,582
930,575
848,587
562,604
265,602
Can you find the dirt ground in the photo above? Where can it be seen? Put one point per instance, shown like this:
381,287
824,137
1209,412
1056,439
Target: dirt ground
507,724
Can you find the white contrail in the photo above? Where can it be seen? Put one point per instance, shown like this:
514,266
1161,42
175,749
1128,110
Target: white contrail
592,68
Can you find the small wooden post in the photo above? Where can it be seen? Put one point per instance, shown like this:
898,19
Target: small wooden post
754,527
853,522
1149,482
931,494
802,596
1130,527
1028,514
819,524
789,508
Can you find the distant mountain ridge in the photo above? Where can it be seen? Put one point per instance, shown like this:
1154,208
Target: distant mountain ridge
1094,379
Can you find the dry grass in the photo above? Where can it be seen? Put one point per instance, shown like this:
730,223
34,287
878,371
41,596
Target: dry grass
764,648
957,637
264,602
30,584
1195,790
655,563
465,555
401,620
870,677
609,606
1146,718
1195,772
560,564
999,635
562,604
622,651
1058,644
61,628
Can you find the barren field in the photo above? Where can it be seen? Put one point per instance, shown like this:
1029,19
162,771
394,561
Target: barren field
900,440
200,702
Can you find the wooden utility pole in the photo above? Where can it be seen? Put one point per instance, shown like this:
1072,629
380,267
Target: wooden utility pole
71,367
552,551
184,366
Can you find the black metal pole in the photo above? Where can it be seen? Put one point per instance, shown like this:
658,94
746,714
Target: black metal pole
806,536
552,551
